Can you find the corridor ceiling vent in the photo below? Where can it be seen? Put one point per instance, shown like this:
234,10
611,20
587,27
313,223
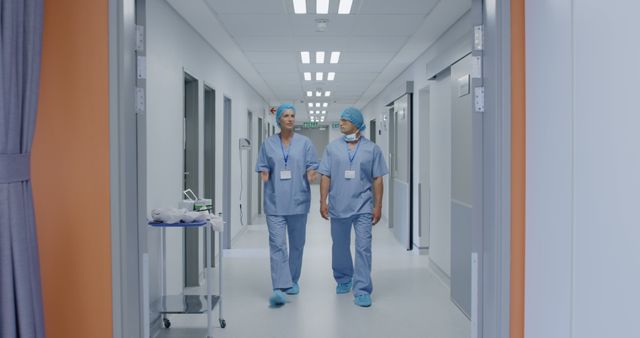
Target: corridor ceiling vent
331,76
321,25
300,6
305,57
307,76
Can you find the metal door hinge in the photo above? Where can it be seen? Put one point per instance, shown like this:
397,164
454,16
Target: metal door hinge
140,100
141,67
478,99
478,37
139,38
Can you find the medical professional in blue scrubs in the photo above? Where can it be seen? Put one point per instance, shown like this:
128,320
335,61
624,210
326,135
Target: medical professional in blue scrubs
352,169
287,162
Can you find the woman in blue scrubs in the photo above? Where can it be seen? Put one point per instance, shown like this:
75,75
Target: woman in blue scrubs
352,169
287,162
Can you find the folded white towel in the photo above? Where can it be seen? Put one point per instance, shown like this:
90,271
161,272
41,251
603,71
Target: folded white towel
217,224
167,215
202,216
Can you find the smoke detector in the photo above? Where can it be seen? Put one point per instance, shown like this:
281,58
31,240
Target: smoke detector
321,25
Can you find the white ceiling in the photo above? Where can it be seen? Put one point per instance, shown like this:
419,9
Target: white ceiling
262,40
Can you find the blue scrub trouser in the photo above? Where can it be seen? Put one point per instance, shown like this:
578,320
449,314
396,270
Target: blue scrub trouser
342,264
286,265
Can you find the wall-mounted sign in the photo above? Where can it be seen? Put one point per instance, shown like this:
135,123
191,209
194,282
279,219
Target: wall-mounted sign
308,125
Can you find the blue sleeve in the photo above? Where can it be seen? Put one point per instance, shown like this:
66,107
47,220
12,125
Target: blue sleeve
262,163
379,164
311,157
325,165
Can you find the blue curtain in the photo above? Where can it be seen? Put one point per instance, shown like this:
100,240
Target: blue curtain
20,46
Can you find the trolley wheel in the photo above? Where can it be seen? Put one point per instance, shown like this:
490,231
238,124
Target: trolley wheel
166,323
223,323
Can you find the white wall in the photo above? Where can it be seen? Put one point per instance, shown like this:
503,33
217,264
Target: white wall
582,264
173,46
459,32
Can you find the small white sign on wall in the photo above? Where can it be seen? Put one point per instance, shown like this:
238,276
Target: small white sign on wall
463,85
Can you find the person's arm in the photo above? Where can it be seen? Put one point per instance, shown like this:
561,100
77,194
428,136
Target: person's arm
377,199
262,165
311,161
325,181
311,175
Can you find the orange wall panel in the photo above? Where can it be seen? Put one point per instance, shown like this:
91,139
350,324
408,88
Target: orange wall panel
518,173
70,170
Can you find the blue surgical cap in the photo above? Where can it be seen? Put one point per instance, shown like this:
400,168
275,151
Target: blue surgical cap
281,109
354,116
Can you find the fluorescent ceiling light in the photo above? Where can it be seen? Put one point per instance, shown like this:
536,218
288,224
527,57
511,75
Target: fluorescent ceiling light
325,105
324,112
335,57
319,57
305,57
327,93
300,6
318,93
310,104
307,76
330,76
309,93
318,104
319,76
345,6
322,6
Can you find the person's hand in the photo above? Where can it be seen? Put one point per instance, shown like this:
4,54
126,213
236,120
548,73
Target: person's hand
311,175
375,215
324,210
264,175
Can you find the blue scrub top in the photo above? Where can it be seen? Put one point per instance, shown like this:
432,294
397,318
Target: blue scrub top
348,197
292,196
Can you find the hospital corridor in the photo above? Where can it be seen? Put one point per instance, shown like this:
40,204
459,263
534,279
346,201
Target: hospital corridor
402,280
319,169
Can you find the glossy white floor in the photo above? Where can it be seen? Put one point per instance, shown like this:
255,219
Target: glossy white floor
408,298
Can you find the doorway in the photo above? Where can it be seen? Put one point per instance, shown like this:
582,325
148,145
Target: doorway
261,134
226,185
249,162
372,130
401,170
209,161
190,175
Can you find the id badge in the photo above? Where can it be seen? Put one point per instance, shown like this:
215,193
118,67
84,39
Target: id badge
285,174
349,174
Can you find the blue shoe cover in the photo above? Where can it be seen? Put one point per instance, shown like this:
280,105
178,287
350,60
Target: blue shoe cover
294,290
362,300
343,287
277,298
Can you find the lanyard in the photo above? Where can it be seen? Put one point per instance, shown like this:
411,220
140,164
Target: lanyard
285,155
351,158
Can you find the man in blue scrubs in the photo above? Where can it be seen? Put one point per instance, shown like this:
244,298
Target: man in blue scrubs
286,163
352,168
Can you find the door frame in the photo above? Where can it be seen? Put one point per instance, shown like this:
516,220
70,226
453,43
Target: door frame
128,174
